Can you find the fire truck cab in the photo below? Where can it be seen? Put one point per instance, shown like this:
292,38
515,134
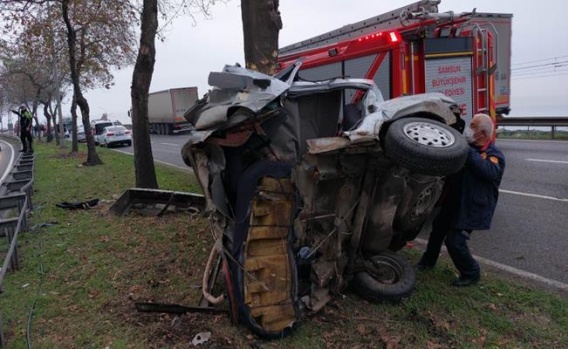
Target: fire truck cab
415,49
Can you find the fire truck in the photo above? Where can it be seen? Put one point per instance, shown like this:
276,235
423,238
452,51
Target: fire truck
416,49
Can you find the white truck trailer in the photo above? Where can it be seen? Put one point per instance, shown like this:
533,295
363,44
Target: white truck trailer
166,109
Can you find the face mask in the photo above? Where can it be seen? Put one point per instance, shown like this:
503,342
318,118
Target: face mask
469,135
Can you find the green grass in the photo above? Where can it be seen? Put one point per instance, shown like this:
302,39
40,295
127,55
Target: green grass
84,273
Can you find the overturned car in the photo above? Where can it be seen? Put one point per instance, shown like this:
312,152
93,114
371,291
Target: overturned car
312,186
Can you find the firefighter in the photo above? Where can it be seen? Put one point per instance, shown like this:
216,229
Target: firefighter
25,121
468,204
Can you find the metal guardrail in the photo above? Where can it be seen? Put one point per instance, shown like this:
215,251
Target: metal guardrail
534,121
552,121
14,207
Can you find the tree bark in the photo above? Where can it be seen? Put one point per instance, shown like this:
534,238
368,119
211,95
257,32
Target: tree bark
74,145
141,79
261,25
49,136
92,156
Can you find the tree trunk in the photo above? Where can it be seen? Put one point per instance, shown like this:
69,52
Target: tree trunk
74,145
34,113
47,115
261,25
92,156
36,127
141,79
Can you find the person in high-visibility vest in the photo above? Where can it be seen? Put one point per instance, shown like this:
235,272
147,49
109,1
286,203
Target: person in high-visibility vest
25,121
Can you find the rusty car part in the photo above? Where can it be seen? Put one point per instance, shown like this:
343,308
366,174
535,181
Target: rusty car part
156,202
268,282
210,274
176,309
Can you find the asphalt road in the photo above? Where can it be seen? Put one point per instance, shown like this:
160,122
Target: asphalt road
9,152
529,235
530,226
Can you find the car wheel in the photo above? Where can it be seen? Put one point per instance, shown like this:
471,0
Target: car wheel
388,277
416,205
425,146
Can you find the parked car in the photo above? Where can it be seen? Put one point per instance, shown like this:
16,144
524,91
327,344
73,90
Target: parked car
312,186
97,127
81,136
115,135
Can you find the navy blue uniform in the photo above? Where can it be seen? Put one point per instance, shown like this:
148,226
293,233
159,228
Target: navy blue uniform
468,204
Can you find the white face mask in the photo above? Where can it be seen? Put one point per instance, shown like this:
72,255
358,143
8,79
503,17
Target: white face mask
469,135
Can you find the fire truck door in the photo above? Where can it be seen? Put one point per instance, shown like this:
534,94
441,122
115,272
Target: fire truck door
452,77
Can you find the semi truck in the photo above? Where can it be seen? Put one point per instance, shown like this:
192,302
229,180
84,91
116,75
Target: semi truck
166,109
416,49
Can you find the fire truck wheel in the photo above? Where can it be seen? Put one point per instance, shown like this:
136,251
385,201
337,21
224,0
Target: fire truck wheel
388,277
425,146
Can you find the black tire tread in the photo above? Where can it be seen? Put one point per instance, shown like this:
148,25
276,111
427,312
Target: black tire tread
423,159
372,290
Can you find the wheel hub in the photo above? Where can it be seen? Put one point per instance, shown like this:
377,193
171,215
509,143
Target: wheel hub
428,134
423,204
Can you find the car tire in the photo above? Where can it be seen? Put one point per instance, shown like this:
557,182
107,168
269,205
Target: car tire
425,146
388,277
416,205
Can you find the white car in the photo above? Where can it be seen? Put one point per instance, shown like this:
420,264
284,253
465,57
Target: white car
97,127
316,184
115,135
81,136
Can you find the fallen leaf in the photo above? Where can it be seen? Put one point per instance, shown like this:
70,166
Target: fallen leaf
361,329
391,342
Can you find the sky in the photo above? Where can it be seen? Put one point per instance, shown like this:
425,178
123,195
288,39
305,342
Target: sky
191,50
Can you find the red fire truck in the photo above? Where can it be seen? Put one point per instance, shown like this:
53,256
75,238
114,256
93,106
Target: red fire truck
416,49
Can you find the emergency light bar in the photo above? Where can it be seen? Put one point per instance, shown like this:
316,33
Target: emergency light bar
392,36
342,50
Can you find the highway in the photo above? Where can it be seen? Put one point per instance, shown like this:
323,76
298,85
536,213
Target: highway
530,226
9,153
529,235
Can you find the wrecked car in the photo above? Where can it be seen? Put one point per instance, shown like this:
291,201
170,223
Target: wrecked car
312,186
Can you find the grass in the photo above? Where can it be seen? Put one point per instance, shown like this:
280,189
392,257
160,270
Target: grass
82,273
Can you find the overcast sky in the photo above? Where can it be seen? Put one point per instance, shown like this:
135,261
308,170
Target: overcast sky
189,53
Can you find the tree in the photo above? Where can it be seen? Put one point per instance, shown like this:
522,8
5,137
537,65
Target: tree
141,79
98,34
261,26
103,15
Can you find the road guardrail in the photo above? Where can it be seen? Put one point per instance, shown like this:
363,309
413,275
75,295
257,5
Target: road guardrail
14,207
